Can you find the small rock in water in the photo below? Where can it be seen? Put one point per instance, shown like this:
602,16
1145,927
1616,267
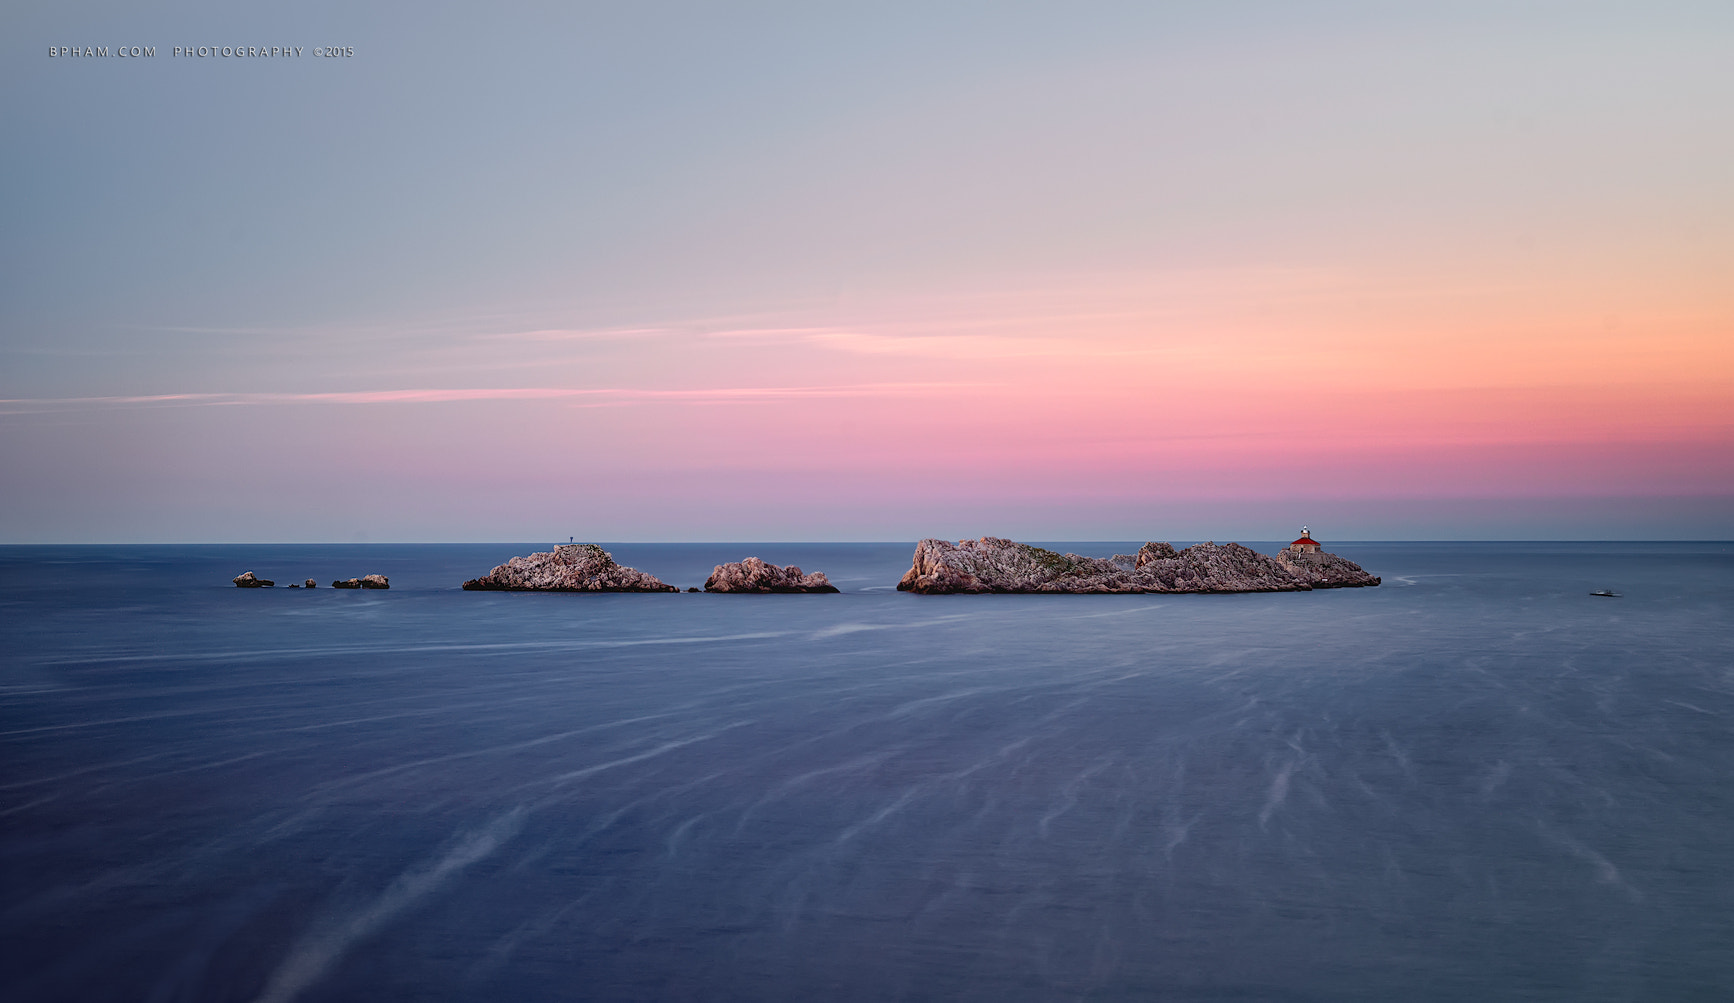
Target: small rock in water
310,583
364,582
248,580
755,575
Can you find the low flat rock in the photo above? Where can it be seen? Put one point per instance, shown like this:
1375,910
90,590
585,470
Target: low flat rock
991,564
364,582
754,575
570,567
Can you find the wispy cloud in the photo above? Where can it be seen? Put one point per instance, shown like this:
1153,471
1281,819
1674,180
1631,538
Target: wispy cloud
578,334
955,346
962,341
588,395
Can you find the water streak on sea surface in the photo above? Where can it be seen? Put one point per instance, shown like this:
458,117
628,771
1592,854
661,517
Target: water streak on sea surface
1476,781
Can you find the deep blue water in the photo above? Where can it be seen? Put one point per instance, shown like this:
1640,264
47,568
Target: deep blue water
1473,782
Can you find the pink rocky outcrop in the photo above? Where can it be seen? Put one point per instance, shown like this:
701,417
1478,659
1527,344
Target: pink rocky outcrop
570,567
1324,571
754,575
991,564
248,580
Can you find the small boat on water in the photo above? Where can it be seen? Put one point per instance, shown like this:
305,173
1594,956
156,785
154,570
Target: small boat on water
1606,593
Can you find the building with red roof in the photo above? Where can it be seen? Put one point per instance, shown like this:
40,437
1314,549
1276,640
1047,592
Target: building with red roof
1306,544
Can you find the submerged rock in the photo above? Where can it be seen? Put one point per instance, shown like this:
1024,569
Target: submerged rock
248,580
570,567
754,575
991,564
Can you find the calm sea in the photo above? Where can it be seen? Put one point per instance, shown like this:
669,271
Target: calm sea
1474,782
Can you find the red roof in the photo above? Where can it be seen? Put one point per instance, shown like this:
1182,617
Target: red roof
1305,539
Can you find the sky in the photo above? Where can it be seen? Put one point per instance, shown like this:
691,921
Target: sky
853,271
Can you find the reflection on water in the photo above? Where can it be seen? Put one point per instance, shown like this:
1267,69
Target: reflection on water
1474,781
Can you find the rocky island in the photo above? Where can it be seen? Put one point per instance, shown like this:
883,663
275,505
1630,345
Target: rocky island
991,564
754,575
364,582
570,567
248,580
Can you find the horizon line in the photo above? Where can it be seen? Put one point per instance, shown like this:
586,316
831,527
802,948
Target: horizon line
911,540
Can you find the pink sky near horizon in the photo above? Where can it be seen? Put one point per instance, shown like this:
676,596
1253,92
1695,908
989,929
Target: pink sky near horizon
1155,400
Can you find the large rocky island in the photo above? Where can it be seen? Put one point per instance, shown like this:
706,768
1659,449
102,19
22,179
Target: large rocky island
991,564
571,567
